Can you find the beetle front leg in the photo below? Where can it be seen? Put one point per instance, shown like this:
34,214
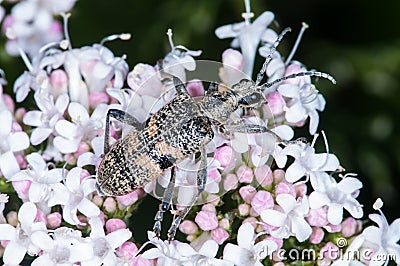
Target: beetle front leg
252,129
165,204
201,182
123,117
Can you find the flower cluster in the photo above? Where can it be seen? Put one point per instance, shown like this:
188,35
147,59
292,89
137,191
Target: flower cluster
265,193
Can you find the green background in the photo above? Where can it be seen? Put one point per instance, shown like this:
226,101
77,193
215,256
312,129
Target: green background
355,41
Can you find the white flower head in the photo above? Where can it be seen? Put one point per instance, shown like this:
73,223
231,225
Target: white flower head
336,196
165,252
289,217
22,237
246,252
10,142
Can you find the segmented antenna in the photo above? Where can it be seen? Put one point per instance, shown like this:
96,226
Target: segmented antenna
300,74
268,59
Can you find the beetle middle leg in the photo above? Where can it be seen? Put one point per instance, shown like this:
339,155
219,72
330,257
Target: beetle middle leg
252,129
179,215
123,117
165,204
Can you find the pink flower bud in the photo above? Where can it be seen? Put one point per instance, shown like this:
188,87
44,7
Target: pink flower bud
19,114
4,243
262,200
279,264
278,241
276,103
12,218
98,97
206,220
224,155
15,127
317,235
114,224
285,188
244,209
209,208
144,80
245,174
233,58
213,199
21,161
219,235
318,217
110,205
349,227
279,175
54,220
127,251
7,23
195,88
252,220
224,223
98,200
301,190
59,81
291,69
130,198
215,175
247,193
84,174
230,182
333,228
263,176
82,148
188,227
330,251
102,218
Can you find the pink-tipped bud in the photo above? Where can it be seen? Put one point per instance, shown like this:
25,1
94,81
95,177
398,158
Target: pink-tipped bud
276,103
209,208
54,220
301,190
263,200
263,176
294,68
278,175
206,220
233,58
330,251
317,235
318,217
349,227
9,102
230,182
213,199
188,227
22,188
12,218
129,199
114,224
98,97
252,220
127,251
245,174
40,216
224,155
215,175
195,88
247,193
219,235
59,82
244,209
110,205
285,188
20,113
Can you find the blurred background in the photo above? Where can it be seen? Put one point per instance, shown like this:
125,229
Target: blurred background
358,42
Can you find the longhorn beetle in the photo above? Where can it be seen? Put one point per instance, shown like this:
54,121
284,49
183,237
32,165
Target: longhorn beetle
181,128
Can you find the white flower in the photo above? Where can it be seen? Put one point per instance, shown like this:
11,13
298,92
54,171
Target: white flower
44,182
21,237
82,128
3,201
178,60
45,119
205,256
246,252
92,158
63,247
289,218
307,162
336,196
104,245
145,80
165,252
10,142
247,36
75,197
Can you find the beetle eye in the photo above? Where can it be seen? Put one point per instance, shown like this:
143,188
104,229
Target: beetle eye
251,100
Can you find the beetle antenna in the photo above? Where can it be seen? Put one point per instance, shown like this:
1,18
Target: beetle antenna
300,74
268,59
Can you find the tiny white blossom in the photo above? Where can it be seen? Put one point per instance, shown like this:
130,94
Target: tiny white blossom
165,252
45,119
10,142
21,237
82,127
336,196
289,217
3,201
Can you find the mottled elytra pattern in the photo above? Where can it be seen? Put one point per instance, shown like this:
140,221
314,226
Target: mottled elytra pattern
176,131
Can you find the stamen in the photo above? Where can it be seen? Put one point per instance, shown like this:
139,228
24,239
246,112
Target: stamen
300,74
65,20
304,26
314,139
122,36
378,204
268,59
248,14
171,42
25,59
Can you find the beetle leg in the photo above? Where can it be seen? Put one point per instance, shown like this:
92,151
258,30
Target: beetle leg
252,129
165,204
201,182
180,88
121,116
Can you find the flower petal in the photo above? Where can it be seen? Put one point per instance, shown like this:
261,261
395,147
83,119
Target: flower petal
318,199
335,213
88,208
40,134
73,179
27,214
236,255
14,253
18,141
8,164
33,118
77,112
245,236
6,120
209,249
117,238
42,240
286,201
7,232
300,228
273,217
349,185
294,172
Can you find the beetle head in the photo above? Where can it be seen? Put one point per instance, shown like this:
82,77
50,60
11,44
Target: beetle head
249,94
